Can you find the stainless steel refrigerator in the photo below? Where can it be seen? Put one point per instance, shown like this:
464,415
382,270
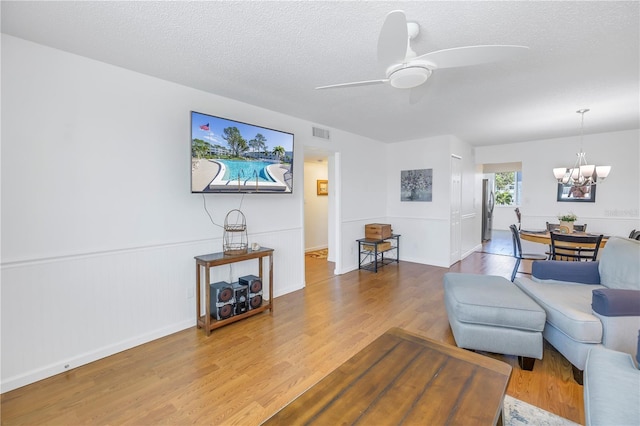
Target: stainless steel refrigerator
488,202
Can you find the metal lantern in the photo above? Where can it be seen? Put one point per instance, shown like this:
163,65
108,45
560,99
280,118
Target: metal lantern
235,234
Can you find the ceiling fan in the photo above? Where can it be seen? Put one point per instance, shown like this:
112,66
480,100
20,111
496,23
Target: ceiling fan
406,70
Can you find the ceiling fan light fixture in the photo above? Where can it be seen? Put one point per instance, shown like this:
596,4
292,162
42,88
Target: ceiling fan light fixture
406,70
409,77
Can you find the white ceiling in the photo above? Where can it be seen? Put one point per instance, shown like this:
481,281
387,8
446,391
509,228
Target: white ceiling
272,54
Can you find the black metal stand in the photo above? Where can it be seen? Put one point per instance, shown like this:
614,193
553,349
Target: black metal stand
371,256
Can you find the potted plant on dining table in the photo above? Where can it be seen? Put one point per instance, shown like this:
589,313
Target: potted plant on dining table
566,223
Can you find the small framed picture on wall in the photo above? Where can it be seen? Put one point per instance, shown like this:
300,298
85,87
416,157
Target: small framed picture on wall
323,187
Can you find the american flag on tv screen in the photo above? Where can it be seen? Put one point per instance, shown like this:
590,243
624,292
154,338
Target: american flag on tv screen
205,127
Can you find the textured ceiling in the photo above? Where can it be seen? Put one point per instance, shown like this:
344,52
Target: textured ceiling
273,54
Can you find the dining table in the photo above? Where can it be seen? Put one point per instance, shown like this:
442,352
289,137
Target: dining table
544,237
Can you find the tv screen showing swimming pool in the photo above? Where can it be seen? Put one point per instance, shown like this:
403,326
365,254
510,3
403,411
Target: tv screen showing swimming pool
230,156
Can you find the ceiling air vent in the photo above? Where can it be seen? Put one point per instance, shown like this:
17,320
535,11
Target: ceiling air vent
321,133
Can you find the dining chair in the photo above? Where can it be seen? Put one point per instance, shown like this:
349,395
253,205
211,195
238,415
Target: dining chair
575,247
556,226
553,226
550,228
517,251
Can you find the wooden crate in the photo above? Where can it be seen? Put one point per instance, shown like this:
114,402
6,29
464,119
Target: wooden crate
378,231
381,247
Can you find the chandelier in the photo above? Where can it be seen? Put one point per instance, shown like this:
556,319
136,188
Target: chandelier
582,173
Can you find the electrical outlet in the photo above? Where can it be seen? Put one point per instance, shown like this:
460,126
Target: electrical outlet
191,292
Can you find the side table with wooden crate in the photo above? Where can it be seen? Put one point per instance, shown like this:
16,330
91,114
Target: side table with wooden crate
371,252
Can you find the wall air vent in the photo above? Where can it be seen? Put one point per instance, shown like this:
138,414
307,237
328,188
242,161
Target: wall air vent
321,133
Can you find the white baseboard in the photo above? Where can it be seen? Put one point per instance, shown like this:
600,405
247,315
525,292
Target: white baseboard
429,262
51,370
287,290
307,250
473,250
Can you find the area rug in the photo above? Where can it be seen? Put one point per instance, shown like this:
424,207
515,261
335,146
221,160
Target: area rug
318,254
518,413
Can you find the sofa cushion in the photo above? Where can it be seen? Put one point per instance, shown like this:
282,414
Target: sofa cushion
616,302
620,264
560,270
493,301
568,307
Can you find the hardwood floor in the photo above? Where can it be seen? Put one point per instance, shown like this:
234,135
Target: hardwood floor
245,372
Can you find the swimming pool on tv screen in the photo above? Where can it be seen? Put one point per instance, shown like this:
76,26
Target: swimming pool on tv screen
246,170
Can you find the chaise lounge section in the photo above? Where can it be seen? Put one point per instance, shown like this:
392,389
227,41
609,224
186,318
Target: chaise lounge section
589,304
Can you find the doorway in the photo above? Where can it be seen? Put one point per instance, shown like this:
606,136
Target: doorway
320,217
317,268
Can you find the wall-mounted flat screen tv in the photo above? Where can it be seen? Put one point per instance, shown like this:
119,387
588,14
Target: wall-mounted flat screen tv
234,157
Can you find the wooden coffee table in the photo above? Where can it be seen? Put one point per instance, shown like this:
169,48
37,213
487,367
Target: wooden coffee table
402,378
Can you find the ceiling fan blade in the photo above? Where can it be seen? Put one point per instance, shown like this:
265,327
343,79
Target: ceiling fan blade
472,55
355,84
393,39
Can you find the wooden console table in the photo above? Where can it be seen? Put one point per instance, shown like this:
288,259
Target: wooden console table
208,261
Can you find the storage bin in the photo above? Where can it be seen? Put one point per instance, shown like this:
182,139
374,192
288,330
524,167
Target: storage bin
378,231
381,247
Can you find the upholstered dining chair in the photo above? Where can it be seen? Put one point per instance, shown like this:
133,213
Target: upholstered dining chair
575,247
517,251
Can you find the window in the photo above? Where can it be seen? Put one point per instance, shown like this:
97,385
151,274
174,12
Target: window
508,188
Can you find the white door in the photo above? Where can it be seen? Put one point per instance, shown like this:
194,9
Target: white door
456,215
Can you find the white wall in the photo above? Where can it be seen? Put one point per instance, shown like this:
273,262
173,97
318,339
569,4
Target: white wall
315,207
99,228
425,226
505,216
616,210
362,195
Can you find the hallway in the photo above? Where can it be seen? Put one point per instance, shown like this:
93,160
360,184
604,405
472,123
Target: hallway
317,267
